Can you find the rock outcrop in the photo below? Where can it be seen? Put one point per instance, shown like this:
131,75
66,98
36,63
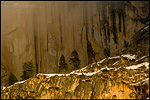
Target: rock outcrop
119,77
42,31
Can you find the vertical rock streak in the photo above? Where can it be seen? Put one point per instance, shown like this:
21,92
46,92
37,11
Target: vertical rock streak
60,28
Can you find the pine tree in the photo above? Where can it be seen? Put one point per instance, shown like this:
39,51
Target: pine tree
63,67
74,60
12,79
90,52
29,70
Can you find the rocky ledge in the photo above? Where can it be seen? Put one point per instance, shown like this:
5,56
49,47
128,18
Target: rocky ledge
119,77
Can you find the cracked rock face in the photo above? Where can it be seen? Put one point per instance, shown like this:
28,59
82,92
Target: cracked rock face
42,31
126,79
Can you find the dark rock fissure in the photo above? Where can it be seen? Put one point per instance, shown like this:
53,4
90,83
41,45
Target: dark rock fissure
92,29
114,30
105,35
35,48
93,93
40,62
119,14
125,44
60,28
100,25
86,21
82,32
108,32
123,17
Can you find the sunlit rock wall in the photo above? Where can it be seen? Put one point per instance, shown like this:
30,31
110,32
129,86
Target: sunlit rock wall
43,30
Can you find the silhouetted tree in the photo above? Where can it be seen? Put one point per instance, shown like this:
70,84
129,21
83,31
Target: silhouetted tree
12,79
90,52
63,67
74,60
29,70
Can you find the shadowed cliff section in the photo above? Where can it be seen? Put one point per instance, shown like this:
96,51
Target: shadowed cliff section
139,43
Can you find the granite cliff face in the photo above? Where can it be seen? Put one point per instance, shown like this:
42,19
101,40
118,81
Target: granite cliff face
42,31
119,77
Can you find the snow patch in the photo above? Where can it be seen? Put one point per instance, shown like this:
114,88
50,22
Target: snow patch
130,77
101,61
142,58
4,88
147,22
129,56
10,86
141,74
146,27
47,87
93,64
21,81
82,69
18,83
115,62
50,75
139,65
113,57
117,69
98,64
109,68
91,73
140,82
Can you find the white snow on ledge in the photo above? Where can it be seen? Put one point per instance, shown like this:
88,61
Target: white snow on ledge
82,69
142,58
129,56
113,57
87,74
21,82
101,61
115,63
139,65
3,88
50,75
18,83
140,82
146,27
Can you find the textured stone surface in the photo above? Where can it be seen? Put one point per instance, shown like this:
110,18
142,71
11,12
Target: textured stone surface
42,31
117,82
